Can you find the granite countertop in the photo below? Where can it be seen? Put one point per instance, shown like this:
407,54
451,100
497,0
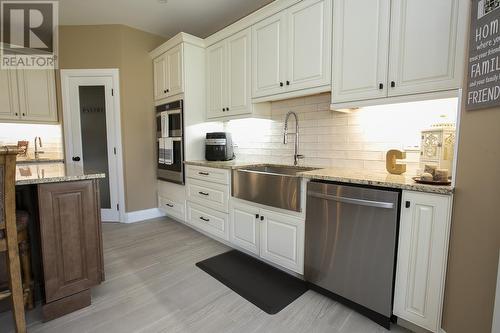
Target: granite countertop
42,173
343,175
363,177
23,160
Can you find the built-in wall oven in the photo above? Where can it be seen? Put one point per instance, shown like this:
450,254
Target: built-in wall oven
170,142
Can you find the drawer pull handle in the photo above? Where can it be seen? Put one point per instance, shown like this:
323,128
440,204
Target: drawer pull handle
204,219
204,173
203,193
169,205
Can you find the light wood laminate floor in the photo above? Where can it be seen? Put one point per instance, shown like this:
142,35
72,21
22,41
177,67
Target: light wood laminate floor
153,285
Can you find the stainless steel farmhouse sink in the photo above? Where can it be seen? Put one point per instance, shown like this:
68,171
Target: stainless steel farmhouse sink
271,185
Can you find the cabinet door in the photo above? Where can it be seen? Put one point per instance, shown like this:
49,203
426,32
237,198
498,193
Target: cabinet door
361,28
422,256
70,237
37,97
175,78
216,80
244,227
238,74
309,44
9,102
160,77
427,46
282,240
268,55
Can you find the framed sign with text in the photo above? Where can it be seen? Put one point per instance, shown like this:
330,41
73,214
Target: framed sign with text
483,83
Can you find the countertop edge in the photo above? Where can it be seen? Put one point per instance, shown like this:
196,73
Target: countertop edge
60,179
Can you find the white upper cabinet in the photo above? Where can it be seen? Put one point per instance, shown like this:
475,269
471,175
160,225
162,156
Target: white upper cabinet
427,51
216,80
175,78
309,43
389,48
268,55
28,96
168,73
9,101
229,68
292,50
239,97
37,96
422,256
160,77
361,49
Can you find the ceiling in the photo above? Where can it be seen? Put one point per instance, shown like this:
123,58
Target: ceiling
197,17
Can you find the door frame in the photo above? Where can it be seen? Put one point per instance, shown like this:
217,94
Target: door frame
114,74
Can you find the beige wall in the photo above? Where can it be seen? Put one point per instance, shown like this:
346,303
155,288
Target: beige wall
475,231
125,48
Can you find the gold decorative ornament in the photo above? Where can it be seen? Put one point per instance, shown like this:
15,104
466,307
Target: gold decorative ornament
391,162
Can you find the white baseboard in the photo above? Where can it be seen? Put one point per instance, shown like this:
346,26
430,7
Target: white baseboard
142,215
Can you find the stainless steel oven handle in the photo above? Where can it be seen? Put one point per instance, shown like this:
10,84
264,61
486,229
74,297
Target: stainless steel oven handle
360,202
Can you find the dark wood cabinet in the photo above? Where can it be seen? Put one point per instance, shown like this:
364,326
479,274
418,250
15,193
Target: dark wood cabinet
71,239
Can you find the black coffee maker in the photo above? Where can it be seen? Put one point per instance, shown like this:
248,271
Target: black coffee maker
219,147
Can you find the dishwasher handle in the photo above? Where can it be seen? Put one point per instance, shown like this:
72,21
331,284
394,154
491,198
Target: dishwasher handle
359,202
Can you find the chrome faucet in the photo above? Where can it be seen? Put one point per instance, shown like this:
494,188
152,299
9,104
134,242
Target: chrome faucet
296,156
38,144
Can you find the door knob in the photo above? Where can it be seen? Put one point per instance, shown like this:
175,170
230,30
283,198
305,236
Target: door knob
76,158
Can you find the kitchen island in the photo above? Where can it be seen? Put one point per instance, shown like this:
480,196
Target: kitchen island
65,233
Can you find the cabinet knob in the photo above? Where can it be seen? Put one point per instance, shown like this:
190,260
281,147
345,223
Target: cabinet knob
164,91
381,86
24,114
17,114
393,84
227,109
262,218
257,216
281,84
287,83
168,90
407,204
76,158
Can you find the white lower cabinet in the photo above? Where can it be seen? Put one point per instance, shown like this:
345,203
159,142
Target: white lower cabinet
275,237
245,227
172,200
282,240
422,257
173,208
208,220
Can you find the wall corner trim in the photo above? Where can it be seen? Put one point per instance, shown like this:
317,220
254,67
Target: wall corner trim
142,215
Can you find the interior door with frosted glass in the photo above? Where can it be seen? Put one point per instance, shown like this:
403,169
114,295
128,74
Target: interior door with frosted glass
92,145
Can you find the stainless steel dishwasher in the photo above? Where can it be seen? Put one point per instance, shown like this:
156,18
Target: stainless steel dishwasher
350,246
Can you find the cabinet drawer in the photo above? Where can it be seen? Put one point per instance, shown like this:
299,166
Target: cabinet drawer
173,208
211,195
221,176
208,220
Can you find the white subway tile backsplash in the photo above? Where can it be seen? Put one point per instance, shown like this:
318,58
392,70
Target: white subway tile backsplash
357,140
